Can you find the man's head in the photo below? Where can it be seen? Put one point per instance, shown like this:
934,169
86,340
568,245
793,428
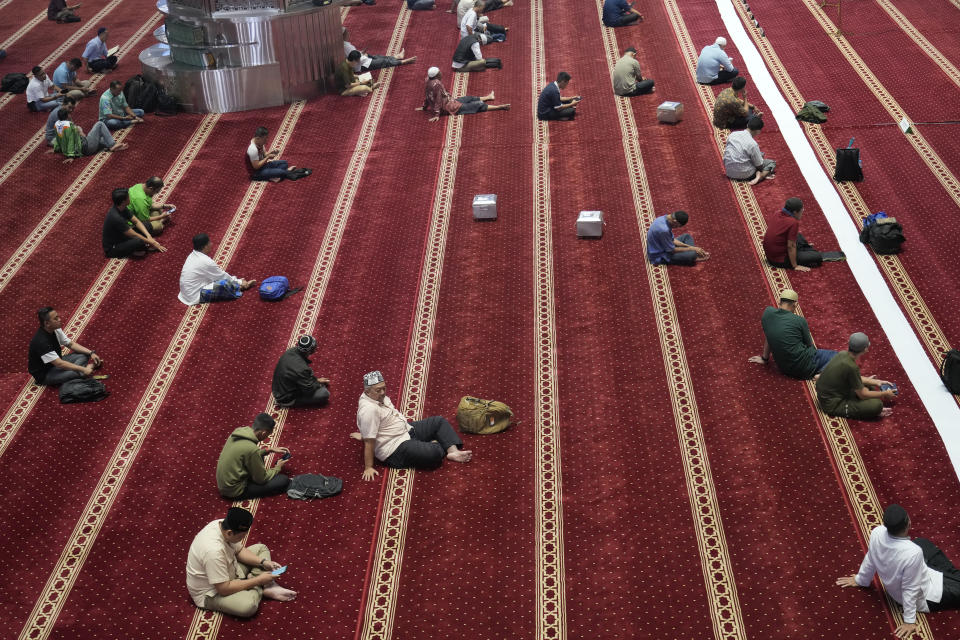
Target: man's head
63,113
677,219
433,72
858,344
630,51
236,524
121,198
754,126
260,135
49,319
68,103
102,33
353,56
306,345
795,207
38,73
152,186
201,242
263,426
896,520
788,300
116,87
478,6
720,42
374,386
74,63
739,83
563,79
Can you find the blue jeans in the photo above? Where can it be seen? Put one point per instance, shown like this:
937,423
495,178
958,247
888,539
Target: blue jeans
273,169
113,123
823,357
684,258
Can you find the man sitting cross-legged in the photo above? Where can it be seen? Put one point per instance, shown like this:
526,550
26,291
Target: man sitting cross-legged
47,364
664,248
202,280
225,576
742,158
619,13
265,165
153,216
388,436
294,383
241,472
114,110
123,234
348,84
438,102
553,106
843,391
65,79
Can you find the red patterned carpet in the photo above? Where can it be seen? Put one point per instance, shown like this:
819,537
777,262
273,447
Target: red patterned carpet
658,485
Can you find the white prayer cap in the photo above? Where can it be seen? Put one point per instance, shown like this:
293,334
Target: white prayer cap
432,72
721,41
484,20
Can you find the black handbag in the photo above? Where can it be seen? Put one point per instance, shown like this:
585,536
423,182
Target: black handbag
493,63
848,164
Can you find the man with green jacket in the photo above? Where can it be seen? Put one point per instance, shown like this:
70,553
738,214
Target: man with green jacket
241,472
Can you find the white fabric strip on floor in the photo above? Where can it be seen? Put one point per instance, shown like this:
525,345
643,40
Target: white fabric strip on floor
924,377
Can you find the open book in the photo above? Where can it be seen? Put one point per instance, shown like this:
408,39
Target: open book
365,77
113,51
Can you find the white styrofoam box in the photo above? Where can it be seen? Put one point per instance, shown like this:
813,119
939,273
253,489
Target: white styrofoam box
670,112
485,206
590,224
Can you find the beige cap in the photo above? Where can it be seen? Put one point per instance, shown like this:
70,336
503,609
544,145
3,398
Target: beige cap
789,294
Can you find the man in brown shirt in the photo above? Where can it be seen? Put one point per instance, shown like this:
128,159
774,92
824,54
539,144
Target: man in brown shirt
731,110
437,100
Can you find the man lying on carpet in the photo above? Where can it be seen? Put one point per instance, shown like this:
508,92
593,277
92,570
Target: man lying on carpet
664,248
742,158
241,472
201,280
224,576
47,364
294,383
844,392
783,244
369,62
627,79
438,102
731,110
388,436
123,234
915,573
787,336
714,66
552,106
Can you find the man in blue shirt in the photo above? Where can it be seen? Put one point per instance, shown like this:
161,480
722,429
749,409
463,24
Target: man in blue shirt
96,54
619,13
65,79
663,248
552,106
713,65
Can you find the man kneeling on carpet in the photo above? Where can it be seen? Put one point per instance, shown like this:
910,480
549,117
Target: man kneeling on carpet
915,573
225,576
664,248
388,436
294,383
201,280
844,392
241,472
438,102
787,336
47,364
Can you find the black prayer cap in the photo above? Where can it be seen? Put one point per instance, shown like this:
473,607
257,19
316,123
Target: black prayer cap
895,518
237,519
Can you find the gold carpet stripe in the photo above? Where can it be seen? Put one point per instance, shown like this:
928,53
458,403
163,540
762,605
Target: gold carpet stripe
722,597
81,316
57,589
205,625
69,42
924,323
843,448
551,610
4,3
19,33
920,144
384,586
932,52
31,145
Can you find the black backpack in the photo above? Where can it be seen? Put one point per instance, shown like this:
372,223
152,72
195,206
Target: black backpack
884,238
308,486
82,390
848,164
141,93
14,83
166,104
950,371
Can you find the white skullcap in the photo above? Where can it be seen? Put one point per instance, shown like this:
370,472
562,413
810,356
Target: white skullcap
721,41
432,72
484,20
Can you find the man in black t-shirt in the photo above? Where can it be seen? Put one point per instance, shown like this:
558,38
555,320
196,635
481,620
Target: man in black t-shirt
47,364
123,233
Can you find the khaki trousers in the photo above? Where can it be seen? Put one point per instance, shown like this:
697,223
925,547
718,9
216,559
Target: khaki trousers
242,604
79,95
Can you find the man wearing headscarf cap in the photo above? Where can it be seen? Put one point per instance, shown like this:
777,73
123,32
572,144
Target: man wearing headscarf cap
844,392
714,66
371,62
437,100
242,473
619,13
915,573
225,576
294,383
388,437
787,336
96,55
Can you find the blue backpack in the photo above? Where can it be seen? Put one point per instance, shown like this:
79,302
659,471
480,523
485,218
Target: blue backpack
274,288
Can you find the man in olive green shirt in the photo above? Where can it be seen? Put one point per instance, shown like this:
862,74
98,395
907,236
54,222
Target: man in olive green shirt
627,79
241,472
153,216
787,336
844,392
347,82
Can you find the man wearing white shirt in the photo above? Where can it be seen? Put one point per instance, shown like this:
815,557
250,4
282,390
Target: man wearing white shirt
915,573
371,62
42,95
201,280
468,23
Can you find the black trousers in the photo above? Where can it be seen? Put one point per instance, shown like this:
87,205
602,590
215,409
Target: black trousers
316,398
421,452
807,256
56,377
103,64
126,248
275,486
558,114
643,87
725,76
938,561
625,19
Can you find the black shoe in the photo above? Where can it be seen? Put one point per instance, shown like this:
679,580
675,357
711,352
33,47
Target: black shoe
71,19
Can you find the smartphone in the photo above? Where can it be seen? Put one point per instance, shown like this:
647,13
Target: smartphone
277,572
286,456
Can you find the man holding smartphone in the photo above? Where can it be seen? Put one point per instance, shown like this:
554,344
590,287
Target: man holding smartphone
241,471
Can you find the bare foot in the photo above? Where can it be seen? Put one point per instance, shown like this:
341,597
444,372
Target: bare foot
374,85
400,55
886,411
118,147
275,179
460,456
356,435
704,257
407,60
276,592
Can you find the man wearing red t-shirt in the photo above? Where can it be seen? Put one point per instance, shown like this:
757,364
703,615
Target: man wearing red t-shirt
783,244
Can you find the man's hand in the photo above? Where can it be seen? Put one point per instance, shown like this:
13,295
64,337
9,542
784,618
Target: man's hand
246,284
87,371
323,381
97,360
905,630
156,245
166,206
369,474
273,153
800,267
700,251
847,581
270,565
888,395
265,578
757,360
280,450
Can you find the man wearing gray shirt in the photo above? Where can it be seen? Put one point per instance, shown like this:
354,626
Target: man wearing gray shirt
742,158
627,79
